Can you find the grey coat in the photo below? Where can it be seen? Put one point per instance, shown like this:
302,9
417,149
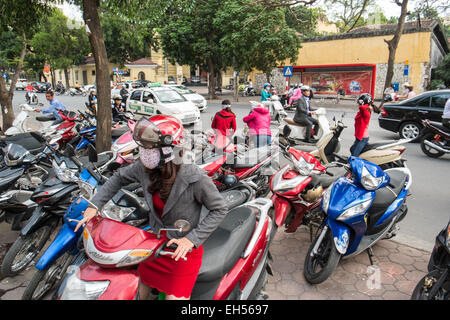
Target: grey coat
301,111
192,189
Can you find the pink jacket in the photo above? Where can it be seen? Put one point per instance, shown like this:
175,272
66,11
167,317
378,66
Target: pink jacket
297,95
258,122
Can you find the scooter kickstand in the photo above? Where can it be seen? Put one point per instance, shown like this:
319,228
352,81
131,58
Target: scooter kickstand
370,254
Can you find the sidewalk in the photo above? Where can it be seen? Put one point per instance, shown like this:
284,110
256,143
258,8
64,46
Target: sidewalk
396,271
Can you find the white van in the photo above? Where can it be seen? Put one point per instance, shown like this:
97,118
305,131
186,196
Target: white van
162,100
190,95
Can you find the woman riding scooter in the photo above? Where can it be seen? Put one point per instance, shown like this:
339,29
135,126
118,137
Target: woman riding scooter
174,190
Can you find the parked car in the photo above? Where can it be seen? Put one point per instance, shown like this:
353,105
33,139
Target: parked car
21,84
171,80
195,79
116,89
140,83
162,100
191,95
39,86
405,117
90,87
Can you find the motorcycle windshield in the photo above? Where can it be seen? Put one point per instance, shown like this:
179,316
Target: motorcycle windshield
16,155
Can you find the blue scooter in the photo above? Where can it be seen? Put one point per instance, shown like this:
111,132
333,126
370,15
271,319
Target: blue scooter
53,263
359,211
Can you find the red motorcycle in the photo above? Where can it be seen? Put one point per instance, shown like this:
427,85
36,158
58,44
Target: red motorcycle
234,267
297,191
65,131
227,164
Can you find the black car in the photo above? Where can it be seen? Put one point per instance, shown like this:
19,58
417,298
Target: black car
39,86
140,83
405,117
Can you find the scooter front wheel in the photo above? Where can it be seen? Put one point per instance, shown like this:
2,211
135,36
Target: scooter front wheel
320,265
24,250
44,280
423,289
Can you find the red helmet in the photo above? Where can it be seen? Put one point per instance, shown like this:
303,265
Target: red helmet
158,131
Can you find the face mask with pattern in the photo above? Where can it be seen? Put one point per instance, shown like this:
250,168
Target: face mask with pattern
151,158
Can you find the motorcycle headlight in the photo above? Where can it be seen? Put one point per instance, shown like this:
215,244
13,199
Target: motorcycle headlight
115,212
326,198
358,209
86,190
303,167
368,181
63,173
77,289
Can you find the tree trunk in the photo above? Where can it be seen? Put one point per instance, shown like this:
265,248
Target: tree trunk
6,96
104,114
66,75
393,43
212,80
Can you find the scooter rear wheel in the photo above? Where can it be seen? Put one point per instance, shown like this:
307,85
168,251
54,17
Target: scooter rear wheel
429,151
320,266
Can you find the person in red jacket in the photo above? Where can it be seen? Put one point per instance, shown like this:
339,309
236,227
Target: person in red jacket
362,120
225,120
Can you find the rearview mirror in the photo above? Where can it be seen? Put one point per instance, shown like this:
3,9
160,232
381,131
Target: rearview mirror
92,153
69,151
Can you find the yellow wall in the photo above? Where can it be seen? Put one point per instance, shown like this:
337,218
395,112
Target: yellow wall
414,47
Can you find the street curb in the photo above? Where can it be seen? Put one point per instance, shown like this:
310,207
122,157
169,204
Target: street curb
413,242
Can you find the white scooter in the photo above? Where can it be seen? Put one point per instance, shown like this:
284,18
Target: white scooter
21,122
74,92
293,134
277,112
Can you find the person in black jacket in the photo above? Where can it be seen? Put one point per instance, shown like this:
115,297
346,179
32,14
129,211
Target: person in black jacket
303,113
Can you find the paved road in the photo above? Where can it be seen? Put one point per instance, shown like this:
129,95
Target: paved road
401,262
430,199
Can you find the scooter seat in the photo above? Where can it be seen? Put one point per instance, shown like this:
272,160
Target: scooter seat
325,180
116,133
290,121
251,157
50,117
384,197
225,245
102,159
371,146
26,140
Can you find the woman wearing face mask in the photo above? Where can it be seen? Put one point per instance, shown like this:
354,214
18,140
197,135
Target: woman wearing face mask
173,190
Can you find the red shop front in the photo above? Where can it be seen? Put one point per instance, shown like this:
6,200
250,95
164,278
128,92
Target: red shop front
354,79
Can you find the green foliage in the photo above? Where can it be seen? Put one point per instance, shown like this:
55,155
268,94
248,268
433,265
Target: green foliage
10,48
125,41
442,72
229,33
303,19
62,46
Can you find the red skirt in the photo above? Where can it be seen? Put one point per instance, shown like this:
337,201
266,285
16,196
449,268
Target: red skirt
172,277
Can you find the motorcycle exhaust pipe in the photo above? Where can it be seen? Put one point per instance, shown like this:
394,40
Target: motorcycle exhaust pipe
435,146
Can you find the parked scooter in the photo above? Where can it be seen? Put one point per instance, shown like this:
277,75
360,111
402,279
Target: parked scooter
435,140
436,284
20,123
297,190
53,197
248,91
360,211
234,266
385,154
227,163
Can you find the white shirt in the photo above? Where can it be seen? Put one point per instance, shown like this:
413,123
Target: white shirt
446,114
